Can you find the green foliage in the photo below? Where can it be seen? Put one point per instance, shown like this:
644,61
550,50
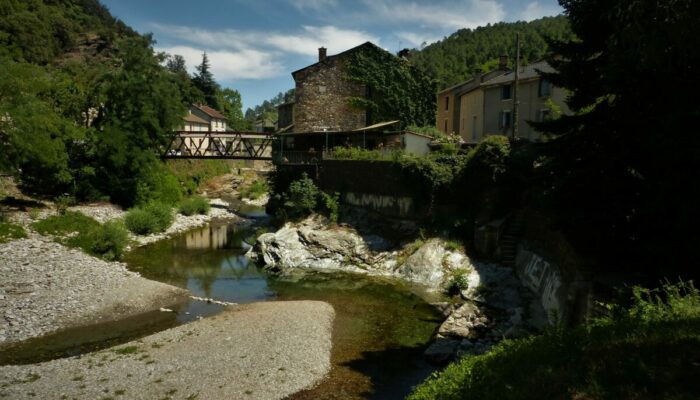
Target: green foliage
331,205
9,232
194,205
647,350
268,109
75,229
152,218
398,90
158,184
109,240
140,222
141,109
356,153
458,282
204,81
231,106
300,199
193,173
461,55
255,190
607,166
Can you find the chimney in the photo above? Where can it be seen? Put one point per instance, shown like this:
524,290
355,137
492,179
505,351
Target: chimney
503,63
321,54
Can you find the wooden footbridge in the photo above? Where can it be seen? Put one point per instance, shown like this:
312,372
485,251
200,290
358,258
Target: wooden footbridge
221,145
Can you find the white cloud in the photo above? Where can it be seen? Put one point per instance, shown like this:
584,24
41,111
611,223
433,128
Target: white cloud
311,38
412,39
536,10
446,14
228,65
306,41
316,5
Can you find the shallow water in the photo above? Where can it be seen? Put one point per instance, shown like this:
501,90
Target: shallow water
380,330
379,333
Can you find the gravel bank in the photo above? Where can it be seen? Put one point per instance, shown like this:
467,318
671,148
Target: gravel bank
258,351
46,287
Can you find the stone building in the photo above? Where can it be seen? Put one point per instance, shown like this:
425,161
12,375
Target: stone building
323,93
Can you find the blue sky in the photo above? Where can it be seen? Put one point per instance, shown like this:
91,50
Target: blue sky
254,45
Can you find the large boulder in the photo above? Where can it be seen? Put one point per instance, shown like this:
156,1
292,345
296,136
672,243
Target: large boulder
425,266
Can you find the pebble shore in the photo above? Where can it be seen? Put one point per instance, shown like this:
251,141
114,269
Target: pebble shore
46,287
257,351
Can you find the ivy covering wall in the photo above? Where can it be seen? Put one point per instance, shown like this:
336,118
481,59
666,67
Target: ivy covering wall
396,89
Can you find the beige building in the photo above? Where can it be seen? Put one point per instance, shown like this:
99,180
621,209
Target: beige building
484,105
534,94
216,122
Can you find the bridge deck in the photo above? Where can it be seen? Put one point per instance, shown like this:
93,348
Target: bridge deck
220,145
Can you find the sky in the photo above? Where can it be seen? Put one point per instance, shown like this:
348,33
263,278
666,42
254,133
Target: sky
254,45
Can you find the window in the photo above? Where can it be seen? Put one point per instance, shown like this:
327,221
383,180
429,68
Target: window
543,114
504,120
447,103
545,88
506,92
445,126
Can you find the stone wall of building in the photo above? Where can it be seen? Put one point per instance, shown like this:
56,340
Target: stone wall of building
322,99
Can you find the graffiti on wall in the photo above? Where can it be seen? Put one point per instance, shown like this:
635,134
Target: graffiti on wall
400,206
544,279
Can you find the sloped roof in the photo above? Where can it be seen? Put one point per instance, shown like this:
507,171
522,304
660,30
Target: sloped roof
342,54
210,111
527,72
376,126
196,119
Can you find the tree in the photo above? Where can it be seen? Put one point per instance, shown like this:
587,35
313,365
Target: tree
204,81
188,92
621,173
232,108
141,110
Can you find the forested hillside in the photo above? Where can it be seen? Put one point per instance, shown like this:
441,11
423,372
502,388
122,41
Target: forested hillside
86,105
457,57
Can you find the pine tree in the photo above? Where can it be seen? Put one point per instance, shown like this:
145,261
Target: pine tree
204,81
622,171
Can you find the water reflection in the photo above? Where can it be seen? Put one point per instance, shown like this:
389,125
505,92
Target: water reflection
212,238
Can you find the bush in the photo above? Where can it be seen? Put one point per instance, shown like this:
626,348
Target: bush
109,240
158,185
194,205
255,190
457,282
141,222
9,231
331,204
162,213
75,229
645,351
301,198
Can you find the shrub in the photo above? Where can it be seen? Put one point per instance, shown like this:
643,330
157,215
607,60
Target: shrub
157,184
162,213
9,231
141,222
109,240
255,190
648,350
331,205
194,205
457,282
301,198
75,229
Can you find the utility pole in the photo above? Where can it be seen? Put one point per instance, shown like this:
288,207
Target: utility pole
516,101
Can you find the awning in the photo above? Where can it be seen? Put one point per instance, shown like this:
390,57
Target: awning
376,126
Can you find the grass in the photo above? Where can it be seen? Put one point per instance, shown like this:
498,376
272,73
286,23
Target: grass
255,190
649,350
126,350
458,282
75,229
10,231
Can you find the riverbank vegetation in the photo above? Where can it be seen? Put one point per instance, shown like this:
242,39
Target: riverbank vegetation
194,205
648,349
75,229
88,106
